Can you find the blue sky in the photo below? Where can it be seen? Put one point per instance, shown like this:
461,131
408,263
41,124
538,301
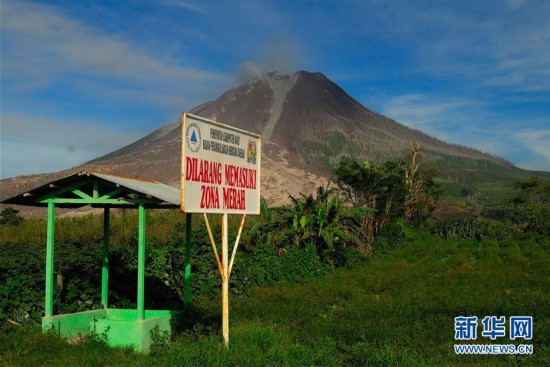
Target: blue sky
80,79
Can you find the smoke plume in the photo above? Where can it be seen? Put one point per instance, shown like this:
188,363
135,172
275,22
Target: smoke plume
277,54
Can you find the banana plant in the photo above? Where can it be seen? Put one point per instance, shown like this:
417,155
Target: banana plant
265,225
326,222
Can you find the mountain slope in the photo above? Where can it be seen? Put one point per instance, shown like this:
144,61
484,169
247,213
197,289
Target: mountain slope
307,122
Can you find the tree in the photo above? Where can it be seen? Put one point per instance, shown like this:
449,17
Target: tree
422,189
380,187
10,217
531,207
396,189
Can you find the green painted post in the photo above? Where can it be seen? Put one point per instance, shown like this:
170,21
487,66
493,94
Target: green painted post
141,264
49,258
105,267
95,189
187,289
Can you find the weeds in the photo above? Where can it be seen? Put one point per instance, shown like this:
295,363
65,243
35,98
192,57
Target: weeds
394,310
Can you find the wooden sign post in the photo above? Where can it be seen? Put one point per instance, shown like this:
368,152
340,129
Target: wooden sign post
220,174
225,266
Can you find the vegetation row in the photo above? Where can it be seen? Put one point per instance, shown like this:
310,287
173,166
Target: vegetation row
370,213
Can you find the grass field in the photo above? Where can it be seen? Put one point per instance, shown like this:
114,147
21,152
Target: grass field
394,310
493,185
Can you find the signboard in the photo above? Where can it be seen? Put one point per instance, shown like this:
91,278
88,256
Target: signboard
220,168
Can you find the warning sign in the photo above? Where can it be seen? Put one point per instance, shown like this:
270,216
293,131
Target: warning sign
220,168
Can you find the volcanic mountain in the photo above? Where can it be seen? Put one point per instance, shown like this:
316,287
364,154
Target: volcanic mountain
307,123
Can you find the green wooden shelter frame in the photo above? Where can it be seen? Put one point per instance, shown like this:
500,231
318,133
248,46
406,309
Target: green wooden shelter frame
121,327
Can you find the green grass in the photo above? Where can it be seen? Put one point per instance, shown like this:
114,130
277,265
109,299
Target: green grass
395,310
493,182
492,187
124,223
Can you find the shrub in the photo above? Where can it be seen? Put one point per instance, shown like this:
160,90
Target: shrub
77,273
10,217
391,237
531,207
325,223
466,228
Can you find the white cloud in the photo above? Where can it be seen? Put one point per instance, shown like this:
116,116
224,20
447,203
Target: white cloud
188,5
424,112
33,161
33,144
538,142
526,142
488,44
515,4
62,66
449,119
42,42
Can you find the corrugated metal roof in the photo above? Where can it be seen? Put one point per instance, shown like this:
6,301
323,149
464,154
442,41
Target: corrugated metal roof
168,195
153,188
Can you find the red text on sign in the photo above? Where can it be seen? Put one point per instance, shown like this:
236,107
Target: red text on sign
240,177
201,170
209,197
233,198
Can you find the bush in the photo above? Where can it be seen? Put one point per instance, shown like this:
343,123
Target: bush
531,207
10,217
77,280
323,222
466,228
77,273
391,237
21,283
266,265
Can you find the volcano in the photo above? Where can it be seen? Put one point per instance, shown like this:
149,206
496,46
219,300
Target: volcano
308,123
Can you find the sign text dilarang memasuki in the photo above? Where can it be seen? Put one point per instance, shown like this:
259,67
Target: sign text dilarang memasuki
220,168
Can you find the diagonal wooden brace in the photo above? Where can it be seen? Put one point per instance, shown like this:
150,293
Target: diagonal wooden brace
236,245
220,268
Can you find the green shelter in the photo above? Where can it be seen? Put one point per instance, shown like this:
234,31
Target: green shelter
122,327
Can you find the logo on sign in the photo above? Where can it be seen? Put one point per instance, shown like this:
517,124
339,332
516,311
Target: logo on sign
251,152
193,137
